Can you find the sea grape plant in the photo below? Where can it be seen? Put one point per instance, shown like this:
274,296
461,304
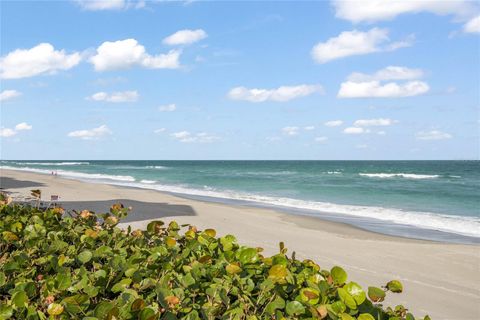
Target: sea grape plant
81,265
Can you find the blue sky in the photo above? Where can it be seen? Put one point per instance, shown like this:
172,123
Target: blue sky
240,80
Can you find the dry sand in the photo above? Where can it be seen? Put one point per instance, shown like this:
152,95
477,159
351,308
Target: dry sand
439,279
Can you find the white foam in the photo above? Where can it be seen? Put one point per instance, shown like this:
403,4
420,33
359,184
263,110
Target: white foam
467,226
156,167
53,163
74,174
147,181
401,175
334,172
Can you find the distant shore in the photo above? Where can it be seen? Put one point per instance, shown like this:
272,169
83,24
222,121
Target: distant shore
439,278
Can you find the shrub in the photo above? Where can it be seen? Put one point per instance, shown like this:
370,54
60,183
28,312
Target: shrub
82,266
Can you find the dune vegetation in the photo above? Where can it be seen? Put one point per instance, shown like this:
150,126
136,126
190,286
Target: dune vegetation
81,265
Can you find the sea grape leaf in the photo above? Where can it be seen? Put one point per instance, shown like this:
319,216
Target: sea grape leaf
395,286
339,275
294,308
85,256
376,294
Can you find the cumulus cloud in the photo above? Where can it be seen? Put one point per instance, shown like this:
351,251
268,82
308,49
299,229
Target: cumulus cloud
100,5
8,132
290,131
167,108
115,97
41,59
188,137
374,89
334,123
354,130
91,134
432,135
127,53
281,94
9,94
23,126
95,5
350,43
388,73
160,130
321,139
377,10
309,128
380,122
184,37
473,25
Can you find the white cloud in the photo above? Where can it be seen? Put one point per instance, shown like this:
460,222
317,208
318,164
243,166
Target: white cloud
334,123
9,94
388,73
23,126
374,89
160,130
349,43
188,137
41,59
473,25
99,5
167,108
91,134
290,131
432,135
377,10
321,139
95,5
354,130
7,132
374,122
309,128
381,133
281,94
115,97
127,53
185,37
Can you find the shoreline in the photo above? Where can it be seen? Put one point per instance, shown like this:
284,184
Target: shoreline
443,272
348,214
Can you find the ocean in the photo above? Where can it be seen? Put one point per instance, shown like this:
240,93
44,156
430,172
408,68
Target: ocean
434,200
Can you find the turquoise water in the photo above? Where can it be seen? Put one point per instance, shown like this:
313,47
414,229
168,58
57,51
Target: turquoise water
438,196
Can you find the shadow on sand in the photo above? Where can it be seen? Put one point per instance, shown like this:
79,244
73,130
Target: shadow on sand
10,183
140,210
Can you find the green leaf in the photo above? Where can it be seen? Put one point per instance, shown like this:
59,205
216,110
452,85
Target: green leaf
20,299
62,281
248,255
356,292
85,256
347,298
121,285
6,312
294,308
339,275
395,286
277,303
54,309
366,316
376,294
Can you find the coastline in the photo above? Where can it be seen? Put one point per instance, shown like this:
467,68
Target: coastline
432,272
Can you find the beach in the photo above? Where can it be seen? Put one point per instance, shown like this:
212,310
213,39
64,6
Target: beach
439,278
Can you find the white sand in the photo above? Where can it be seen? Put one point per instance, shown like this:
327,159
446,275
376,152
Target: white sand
439,279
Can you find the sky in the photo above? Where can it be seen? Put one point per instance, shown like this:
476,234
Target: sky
318,80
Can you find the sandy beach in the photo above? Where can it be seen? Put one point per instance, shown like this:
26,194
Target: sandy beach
439,279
